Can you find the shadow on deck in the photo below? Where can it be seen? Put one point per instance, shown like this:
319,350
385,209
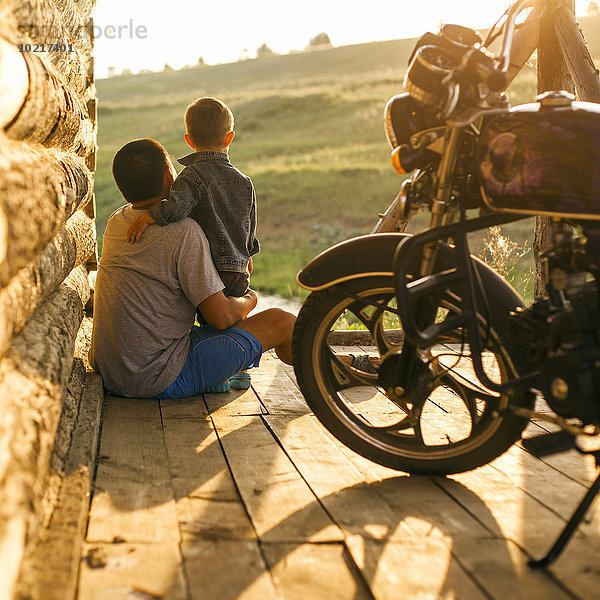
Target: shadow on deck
246,495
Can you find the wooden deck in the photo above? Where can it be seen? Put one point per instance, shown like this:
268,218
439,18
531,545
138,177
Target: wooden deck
246,495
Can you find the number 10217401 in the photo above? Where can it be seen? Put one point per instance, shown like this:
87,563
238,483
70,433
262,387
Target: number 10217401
46,48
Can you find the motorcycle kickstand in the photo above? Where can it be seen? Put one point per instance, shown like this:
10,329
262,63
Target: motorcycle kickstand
572,524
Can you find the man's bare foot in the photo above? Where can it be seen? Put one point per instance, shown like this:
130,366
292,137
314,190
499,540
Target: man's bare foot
362,362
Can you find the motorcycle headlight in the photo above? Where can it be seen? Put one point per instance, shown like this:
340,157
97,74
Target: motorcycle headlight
403,117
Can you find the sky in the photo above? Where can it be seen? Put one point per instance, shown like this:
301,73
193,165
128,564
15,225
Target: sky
140,34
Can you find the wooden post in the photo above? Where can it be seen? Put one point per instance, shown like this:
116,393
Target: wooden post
553,74
579,61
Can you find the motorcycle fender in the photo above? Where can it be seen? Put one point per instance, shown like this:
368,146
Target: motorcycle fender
373,255
362,256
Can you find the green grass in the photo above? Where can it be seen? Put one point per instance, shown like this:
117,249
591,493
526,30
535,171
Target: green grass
309,131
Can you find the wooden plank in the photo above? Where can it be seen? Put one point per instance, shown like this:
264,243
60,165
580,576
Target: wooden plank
369,470
51,573
511,513
281,505
227,570
208,504
422,568
302,571
235,402
125,571
133,498
433,514
547,485
275,389
399,504
501,507
196,463
339,486
388,509
559,493
213,520
572,464
500,567
373,406
425,510
393,507
221,555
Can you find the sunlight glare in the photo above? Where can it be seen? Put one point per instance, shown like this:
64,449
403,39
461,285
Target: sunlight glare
151,37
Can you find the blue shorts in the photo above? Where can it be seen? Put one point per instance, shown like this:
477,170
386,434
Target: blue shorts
214,356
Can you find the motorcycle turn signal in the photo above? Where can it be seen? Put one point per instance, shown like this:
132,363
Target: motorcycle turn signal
406,159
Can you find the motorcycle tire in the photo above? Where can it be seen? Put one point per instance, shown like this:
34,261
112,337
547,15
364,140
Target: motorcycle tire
365,419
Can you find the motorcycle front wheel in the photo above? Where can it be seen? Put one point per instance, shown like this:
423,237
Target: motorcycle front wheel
444,420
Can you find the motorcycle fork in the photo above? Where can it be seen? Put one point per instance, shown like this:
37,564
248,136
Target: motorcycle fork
441,213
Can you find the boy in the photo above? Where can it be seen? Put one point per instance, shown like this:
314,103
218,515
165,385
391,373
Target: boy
216,195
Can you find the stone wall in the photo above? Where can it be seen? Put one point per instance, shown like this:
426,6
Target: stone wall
47,248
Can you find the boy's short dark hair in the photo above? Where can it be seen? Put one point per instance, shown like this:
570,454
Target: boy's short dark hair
208,121
138,168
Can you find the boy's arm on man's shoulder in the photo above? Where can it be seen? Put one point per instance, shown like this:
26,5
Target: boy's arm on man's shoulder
183,198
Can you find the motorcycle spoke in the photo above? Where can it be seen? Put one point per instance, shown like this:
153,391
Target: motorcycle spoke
372,318
380,340
419,433
407,422
469,396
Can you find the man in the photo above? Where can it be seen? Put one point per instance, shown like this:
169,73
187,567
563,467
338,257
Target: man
144,341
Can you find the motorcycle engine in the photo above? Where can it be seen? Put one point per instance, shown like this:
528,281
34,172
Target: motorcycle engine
559,338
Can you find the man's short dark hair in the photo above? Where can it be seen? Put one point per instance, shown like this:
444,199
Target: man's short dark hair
138,168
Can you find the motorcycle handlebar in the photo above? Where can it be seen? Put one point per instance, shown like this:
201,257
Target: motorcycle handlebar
497,78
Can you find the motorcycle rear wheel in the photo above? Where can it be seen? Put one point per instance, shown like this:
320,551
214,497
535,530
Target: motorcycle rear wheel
447,422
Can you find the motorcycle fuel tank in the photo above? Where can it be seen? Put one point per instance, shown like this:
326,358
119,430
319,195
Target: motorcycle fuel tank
543,158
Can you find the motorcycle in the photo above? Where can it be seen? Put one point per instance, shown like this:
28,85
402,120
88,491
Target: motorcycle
462,364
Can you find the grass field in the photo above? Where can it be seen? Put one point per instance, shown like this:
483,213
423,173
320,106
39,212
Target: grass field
309,131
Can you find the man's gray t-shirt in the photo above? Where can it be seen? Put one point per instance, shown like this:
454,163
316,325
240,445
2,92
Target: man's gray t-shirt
145,302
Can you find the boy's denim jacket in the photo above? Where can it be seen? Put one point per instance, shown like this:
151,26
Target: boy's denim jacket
221,199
